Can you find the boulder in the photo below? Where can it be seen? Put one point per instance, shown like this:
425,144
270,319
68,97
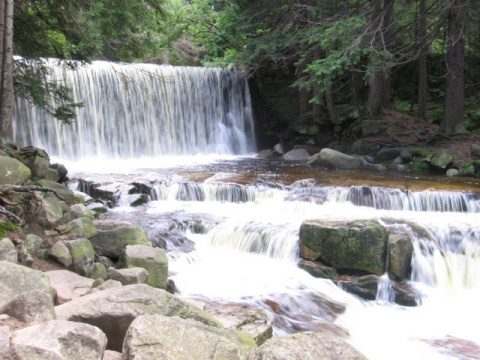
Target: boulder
50,212
83,256
13,171
153,259
359,245
8,251
25,294
78,228
80,210
365,287
113,310
400,252
68,285
307,345
160,337
317,270
60,254
135,275
33,243
335,159
37,160
60,189
388,154
59,340
441,161
296,154
265,154
113,236
99,271
4,339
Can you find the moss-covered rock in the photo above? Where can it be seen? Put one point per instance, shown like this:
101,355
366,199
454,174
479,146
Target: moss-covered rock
153,259
113,236
67,194
50,212
353,246
83,256
37,160
13,171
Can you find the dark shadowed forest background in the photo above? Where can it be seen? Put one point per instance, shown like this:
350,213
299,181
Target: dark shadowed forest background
314,64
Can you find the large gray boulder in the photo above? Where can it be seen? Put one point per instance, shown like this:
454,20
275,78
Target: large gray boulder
113,236
82,227
8,251
160,337
128,276
58,340
335,159
296,154
400,252
37,160
68,285
359,245
67,194
60,254
50,212
153,259
83,256
25,294
12,171
307,346
113,310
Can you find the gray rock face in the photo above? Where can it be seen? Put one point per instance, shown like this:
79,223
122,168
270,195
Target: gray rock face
306,345
129,276
297,154
50,212
59,340
8,251
159,337
60,253
12,171
153,259
68,285
67,194
335,159
113,236
113,310
400,249
83,256
25,293
79,228
37,160
80,210
357,245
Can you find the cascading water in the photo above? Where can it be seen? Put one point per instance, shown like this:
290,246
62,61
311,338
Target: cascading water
231,228
143,110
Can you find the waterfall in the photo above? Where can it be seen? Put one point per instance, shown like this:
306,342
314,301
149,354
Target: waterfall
143,110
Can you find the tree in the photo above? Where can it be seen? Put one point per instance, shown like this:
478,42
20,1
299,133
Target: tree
422,61
452,121
6,69
122,30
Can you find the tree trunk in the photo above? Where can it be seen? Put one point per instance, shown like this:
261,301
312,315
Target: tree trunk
422,62
452,121
387,29
332,111
375,62
6,96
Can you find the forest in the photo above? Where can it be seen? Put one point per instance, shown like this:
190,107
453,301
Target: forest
418,56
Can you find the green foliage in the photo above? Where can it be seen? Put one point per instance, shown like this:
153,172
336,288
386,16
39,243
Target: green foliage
5,227
30,82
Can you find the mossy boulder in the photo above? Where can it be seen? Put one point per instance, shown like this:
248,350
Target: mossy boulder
83,256
37,160
160,337
50,212
357,246
79,228
67,194
153,259
13,171
113,236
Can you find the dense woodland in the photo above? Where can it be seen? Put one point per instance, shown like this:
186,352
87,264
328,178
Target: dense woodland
416,55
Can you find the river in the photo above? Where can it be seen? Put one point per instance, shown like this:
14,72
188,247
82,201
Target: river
230,222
